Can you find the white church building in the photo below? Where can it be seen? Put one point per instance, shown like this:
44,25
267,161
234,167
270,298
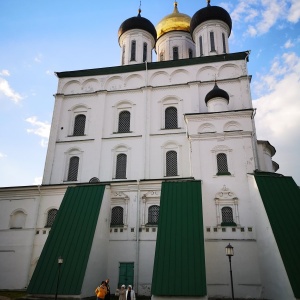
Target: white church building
152,169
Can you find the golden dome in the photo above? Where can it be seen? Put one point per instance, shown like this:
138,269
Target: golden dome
173,22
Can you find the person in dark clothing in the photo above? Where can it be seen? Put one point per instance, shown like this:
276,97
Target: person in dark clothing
107,296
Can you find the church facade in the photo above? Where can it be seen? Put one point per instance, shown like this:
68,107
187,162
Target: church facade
152,169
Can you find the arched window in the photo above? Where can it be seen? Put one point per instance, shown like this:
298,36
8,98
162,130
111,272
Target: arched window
79,125
175,53
212,41
222,164
161,55
201,45
51,217
227,216
94,179
153,214
224,44
133,50
124,121
121,166
117,213
123,55
171,163
73,168
17,220
171,118
190,53
145,46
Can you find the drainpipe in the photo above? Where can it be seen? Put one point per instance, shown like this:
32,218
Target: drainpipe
137,236
190,146
254,142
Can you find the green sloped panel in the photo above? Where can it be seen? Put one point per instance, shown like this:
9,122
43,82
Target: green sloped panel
179,264
70,237
281,199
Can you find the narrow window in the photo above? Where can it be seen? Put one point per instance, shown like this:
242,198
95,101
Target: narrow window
227,216
171,163
73,168
117,216
161,56
51,217
145,52
224,44
212,41
121,166
17,220
222,164
79,125
123,55
190,53
124,121
171,118
153,214
133,50
175,53
201,46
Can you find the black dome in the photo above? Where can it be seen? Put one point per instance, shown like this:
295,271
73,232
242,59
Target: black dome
216,92
137,22
210,13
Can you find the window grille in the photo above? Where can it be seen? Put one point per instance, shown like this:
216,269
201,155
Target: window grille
117,216
190,53
121,166
224,44
222,163
133,50
171,163
94,179
153,214
212,41
73,168
175,53
51,217
171,118
201,46
227,216
145,52
124,122
79,125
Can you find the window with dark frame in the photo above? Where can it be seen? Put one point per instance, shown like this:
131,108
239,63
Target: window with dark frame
171,163
117,213
133,50
171,121
190,53
124,122
153,215
51,217
212,41
224,43
201,45
175,53
145,46
222,164
123,55
79,125
73,168
121,166
227,216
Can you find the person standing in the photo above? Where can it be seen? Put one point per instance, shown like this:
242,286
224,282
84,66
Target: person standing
130,294
101,291
122,293
107,296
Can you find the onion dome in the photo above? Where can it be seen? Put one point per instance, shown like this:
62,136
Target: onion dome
137,22
216,92
210,13
175,21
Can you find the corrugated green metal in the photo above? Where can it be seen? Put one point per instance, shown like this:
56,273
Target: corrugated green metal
281,198
71,238
179,264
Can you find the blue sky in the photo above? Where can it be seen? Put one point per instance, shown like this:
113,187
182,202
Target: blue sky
39,37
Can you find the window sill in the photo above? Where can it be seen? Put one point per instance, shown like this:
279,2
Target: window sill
228,224
223,173
117,225
151,225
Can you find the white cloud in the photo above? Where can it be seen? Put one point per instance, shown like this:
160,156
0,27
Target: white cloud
294,11
4,73
278,111
41,129
2,155
38,180
288,44
38,58
8,91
